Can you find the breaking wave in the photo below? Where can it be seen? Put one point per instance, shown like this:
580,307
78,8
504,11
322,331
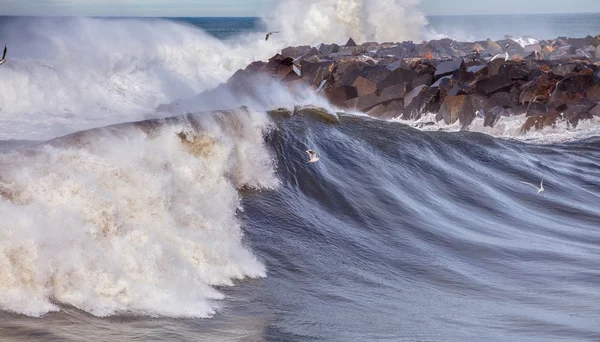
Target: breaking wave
137,218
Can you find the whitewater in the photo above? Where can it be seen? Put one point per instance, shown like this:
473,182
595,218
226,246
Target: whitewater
125,193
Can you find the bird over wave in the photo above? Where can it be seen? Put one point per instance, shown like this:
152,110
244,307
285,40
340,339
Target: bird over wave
3,56
269,34
313,156
540,189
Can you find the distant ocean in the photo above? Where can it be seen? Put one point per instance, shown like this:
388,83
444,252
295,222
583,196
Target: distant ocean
117,224
458,27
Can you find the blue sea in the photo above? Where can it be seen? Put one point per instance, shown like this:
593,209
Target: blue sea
119,222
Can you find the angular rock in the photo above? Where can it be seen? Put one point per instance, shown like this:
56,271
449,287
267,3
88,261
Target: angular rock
539,88
425,79
363,103
537,108
339,95
492,115
364,86
413,93
295,51
541,121
595,111
580,111
395,92
315,73
448,68
501,99
398,76
491,85
425,102
351,43
460,108
328,49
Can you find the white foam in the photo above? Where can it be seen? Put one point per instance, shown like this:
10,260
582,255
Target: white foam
314,21
123,220
509,127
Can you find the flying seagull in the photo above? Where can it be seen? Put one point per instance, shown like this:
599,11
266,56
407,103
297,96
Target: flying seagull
269,34
540,189
501,55
313,156
3,56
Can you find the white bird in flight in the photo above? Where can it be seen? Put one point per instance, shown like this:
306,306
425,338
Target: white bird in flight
3,56
313,156
540,189
500,55
269,34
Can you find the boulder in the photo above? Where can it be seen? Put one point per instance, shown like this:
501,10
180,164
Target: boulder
494,84
364,86
295,51
339,95
398,76
492,115
540,88
448,68
427,101
595,111
391,93
425,79
392,110
363,103
541,121
536,108
462,108
328,49
501,99
579,111
351,43
413,93
316,73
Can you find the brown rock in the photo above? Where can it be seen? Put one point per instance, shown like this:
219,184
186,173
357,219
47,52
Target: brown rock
364,86
494,84
339,95
595,111
395,92
377,111
427,101
428,56
580,111
541,121
295,51
363,103
462,108
422,80
492,115
539,88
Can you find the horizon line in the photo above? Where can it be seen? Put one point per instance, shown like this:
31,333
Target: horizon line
252,17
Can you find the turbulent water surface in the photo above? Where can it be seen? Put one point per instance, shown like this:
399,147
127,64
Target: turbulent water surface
121,222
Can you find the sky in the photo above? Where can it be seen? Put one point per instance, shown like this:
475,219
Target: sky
192,8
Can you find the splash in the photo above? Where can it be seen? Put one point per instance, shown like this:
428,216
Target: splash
148,229
317,21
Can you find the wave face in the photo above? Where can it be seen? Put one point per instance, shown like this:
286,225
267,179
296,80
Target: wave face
137,218
397,234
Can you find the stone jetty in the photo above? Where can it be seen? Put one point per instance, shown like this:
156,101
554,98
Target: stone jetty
547,81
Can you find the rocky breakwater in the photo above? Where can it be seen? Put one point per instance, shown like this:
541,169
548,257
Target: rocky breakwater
547,81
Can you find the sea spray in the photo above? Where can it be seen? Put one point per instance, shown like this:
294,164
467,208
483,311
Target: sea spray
137,218
326,21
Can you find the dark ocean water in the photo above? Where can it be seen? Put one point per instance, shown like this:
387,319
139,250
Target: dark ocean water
394,235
